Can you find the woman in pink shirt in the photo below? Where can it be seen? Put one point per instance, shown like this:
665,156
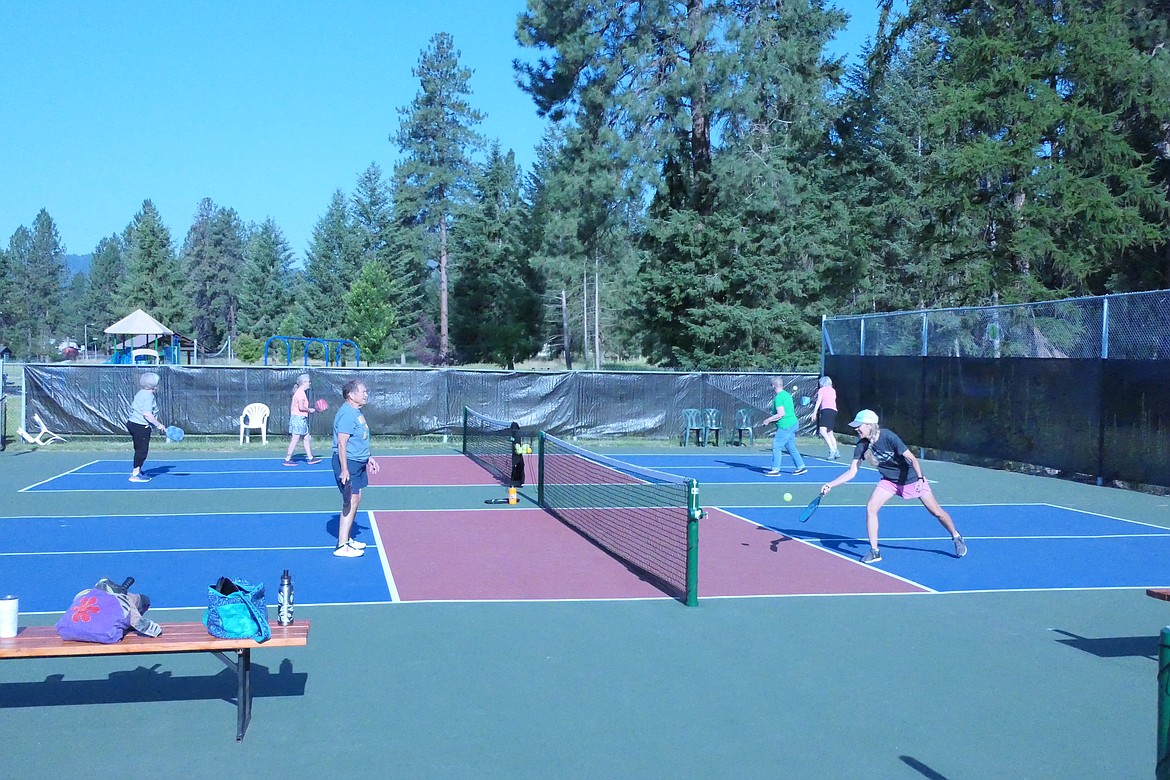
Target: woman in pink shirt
298,422
825,413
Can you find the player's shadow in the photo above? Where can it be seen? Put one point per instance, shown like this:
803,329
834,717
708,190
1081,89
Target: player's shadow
333,524
1112,646
151,684
158,471
755,468
845,545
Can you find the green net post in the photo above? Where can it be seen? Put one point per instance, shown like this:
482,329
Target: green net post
465,430
540,469
1162,771
694,515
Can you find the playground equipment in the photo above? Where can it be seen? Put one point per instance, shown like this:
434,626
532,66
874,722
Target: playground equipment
332,355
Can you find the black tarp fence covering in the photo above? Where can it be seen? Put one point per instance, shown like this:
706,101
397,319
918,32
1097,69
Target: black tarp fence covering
94,399
1104,418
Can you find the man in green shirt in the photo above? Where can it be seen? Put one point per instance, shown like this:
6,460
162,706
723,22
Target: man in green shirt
786,425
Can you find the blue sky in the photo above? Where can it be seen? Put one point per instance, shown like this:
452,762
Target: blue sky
264,107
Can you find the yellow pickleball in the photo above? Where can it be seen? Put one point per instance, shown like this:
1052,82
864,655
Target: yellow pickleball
787,496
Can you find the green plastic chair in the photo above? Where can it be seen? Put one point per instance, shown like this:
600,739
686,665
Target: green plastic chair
693,423
713,423
743,422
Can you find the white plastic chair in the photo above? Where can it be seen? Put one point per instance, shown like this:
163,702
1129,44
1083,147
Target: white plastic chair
254,416
44,437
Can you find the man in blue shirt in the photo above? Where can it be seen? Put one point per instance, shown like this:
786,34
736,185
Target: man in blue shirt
351,462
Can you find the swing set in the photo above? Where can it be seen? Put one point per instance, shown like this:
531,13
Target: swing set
333,349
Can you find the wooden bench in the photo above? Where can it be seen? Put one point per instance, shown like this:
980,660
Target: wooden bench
43,642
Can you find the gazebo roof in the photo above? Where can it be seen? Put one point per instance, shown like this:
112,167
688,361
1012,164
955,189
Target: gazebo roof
138,323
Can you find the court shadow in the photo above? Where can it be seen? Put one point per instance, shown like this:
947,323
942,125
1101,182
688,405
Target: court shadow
921,768
151,684
745,466
158,471
846,545
334,521
1113,646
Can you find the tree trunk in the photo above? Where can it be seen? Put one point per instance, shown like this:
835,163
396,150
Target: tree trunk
444,343
566,339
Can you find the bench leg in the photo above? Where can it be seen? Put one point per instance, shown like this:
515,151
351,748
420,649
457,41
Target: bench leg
243,666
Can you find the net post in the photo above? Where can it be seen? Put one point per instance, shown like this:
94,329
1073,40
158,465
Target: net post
1162,768
540,469
694,514
464,430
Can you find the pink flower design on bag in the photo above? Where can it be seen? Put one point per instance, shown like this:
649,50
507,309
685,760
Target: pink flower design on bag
82,612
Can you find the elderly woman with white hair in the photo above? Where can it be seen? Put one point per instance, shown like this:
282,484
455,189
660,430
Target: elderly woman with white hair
143,416
298,422
824,412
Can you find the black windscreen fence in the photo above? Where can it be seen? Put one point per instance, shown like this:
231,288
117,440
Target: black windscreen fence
95,399
1103,418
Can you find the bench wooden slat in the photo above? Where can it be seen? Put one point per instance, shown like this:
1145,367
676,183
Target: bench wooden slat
43,642
1159,593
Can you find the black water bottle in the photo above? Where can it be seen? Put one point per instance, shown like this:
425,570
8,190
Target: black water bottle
284,600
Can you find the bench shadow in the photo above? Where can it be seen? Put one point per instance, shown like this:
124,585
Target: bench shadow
151,684
921,768
1112,646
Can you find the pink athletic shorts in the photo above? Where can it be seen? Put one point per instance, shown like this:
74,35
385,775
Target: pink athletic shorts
913,489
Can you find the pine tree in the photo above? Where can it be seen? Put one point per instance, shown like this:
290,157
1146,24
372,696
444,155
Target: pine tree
154,279
437,137
213,254
106,270
378,239
495,298
265,282
331,266
42,283
370,318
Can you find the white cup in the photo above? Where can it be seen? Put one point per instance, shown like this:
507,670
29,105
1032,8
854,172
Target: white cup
9,608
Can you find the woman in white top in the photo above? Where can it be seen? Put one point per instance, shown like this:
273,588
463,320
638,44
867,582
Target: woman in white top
143,416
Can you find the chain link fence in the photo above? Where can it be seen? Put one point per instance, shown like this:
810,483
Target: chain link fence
1129,326
1080,386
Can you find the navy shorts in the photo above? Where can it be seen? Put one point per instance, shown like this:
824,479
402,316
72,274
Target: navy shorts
358,478
827,418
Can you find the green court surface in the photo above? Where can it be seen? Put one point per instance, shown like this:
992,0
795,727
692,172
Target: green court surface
1020,684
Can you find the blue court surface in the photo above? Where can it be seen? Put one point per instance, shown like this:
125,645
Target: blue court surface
174,558
1011,546
194,474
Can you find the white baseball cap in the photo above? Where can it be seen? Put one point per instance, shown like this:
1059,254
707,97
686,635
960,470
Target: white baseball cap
864,417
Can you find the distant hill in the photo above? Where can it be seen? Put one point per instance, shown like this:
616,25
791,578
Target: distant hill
75,264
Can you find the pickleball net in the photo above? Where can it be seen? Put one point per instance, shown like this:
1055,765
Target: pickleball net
486,441
646,519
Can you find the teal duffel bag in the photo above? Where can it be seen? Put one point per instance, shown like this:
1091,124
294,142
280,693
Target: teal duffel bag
236,610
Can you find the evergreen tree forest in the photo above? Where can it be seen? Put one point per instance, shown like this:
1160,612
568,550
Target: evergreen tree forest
711,183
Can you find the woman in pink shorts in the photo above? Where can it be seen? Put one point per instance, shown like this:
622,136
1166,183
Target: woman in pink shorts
901,476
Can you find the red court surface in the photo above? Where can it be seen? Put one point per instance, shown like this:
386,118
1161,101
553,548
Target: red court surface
430,470
523,553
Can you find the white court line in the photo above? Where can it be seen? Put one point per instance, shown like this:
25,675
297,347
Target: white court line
165,550
62,474
885,539
393,586
153,516
1099,514
822,548
196,489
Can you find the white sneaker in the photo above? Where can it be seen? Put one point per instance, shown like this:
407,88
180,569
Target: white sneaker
345,551
139,478
354,543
